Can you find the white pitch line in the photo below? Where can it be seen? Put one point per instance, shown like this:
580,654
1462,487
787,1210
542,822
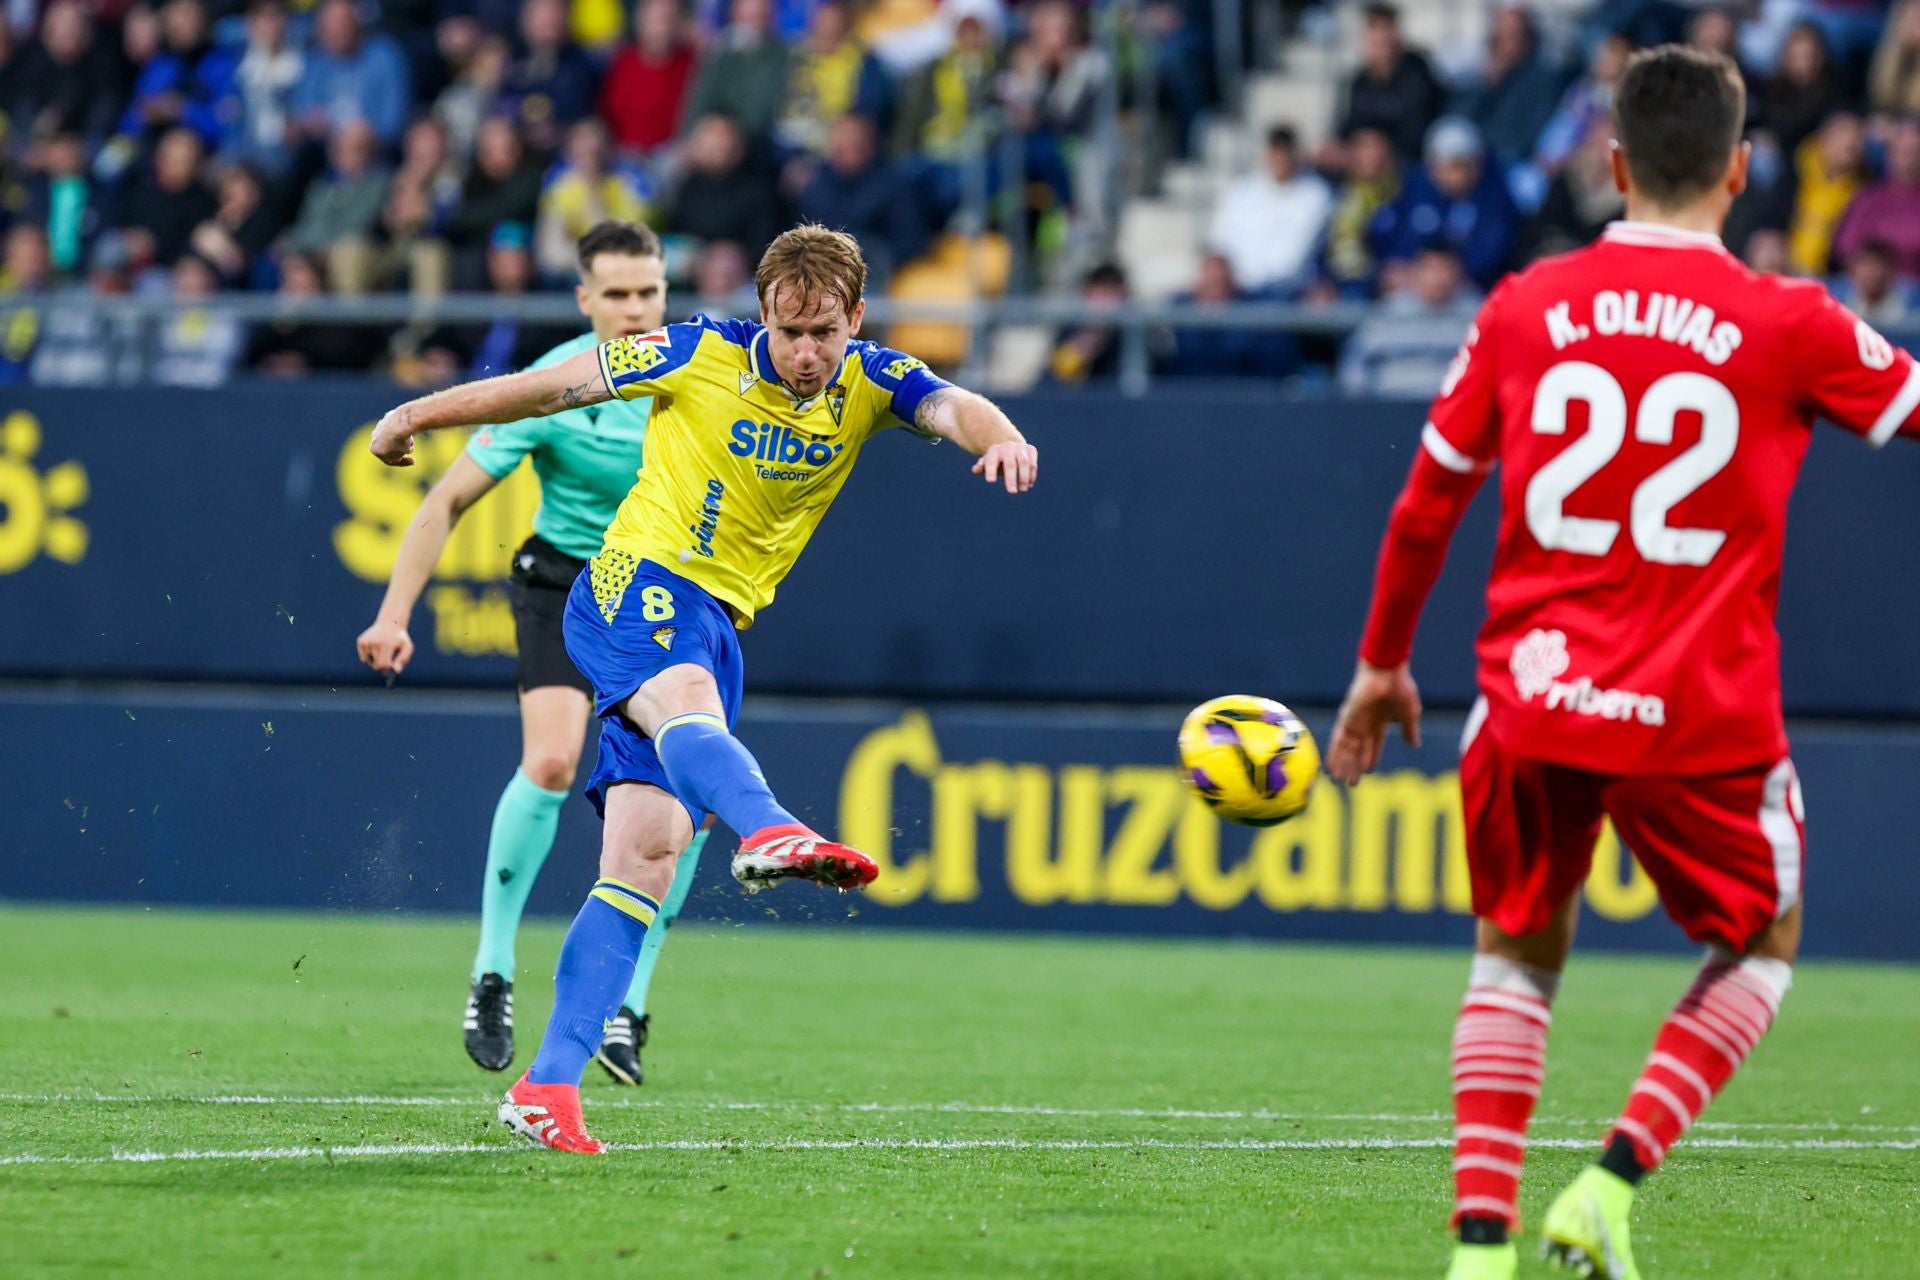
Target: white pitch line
906,1144
917,1108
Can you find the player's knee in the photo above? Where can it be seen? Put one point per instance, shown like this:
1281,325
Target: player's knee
637,861
549,769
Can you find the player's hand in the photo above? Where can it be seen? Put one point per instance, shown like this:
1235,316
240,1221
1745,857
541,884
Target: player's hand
1014,462
1379,698
386,647
392,443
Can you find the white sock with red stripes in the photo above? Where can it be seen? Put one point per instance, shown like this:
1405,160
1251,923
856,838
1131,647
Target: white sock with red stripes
1705,1039
1499,1061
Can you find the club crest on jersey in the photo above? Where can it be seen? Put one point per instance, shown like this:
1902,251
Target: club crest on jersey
1541,658
663,636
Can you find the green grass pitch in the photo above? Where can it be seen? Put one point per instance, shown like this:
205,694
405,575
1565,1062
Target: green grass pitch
854,1103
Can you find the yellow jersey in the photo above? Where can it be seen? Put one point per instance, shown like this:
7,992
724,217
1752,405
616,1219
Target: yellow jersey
740,470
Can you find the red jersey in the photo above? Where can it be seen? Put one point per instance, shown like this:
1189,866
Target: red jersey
1648,400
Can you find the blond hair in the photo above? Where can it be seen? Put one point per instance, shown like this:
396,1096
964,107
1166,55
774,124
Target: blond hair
812,262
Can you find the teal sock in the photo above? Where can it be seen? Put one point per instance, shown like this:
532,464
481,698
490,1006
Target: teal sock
524,823
670,905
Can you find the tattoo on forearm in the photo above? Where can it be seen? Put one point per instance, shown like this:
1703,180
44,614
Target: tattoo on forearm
923,416
575,396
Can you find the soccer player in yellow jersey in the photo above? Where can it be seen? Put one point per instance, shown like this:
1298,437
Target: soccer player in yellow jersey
754,430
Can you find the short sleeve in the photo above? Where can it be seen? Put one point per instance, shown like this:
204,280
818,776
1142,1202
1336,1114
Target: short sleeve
650,364
497,450
1463,427
903,380
1853,376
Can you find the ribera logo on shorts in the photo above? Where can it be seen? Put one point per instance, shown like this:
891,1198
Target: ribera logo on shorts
765,442
1540,659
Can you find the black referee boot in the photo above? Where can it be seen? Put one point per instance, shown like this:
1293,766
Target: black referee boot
620,1050
489,1022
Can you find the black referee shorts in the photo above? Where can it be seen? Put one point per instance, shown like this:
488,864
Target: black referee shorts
542,575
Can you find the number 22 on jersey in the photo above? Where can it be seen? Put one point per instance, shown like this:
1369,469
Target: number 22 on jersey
1657,541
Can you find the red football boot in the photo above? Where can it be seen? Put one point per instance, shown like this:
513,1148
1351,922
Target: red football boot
548,1114
793,852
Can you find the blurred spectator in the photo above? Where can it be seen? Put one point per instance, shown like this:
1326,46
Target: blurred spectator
269,71
1181,32
235,238
1404,346
196,347
1091,353
1372,183
1516,88
25,274
1582,200
189,81
1268,224
1714,30
480,351
831,75
469,101
503,186
293,349
647,83
1226,353
1050,91
68,81
940,102
939,106
1887,212
1394,90
341,210
424,191
58,197
1456,198
856,191
1831,167
1054,77
1587,104
351,76
1894,79
1803,92
723,276
589,186
158,210
1875,291
553,81
743,73
724,195
1767,251
26,266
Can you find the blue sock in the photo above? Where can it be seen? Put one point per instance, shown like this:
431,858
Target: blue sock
711,770
596,963
683,873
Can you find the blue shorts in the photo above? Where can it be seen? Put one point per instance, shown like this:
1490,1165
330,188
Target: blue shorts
659,620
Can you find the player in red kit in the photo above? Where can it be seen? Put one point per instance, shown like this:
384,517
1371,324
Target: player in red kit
1648,401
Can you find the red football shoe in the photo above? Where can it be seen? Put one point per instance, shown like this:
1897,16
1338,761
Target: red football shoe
548,1114
793,852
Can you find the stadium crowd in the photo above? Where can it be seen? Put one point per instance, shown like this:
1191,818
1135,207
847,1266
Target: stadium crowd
198,146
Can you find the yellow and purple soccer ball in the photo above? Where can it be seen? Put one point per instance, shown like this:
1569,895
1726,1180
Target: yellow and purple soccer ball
1250,759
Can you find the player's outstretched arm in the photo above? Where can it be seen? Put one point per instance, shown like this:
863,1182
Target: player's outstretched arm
977,425
385,645
1383,693
533,393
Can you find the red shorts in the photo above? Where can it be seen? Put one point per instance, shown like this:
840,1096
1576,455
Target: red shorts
1725,850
